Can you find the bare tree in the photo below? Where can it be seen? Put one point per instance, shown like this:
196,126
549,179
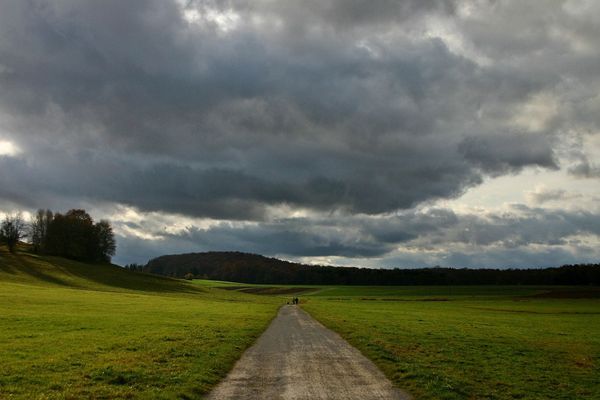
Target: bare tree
12,230
39,230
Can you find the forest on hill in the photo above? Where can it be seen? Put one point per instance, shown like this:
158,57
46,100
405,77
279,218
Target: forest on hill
72,235
253,268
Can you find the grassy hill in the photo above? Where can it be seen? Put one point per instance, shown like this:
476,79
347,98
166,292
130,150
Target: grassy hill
32,269
74,330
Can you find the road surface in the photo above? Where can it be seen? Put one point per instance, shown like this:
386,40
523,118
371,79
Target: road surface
298,358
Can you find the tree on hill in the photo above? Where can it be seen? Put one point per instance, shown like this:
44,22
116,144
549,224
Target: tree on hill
79,233
39,230
105,245
12,230
134,267
73,235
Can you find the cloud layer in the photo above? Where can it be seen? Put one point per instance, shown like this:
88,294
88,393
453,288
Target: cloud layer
338,112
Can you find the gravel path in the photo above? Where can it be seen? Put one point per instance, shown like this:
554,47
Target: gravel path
298,358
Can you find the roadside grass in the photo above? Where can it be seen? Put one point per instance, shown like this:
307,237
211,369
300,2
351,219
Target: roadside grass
70,330
479,342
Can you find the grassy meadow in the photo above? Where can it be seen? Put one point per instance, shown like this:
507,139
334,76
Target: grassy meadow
473,342
70,330
466,342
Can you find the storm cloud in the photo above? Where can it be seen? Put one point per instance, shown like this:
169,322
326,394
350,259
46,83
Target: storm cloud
341,112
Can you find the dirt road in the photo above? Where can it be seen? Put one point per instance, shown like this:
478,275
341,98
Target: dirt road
298,358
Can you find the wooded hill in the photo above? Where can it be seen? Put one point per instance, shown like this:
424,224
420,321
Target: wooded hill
253,268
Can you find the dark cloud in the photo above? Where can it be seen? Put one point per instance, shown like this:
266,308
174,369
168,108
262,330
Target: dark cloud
522,226
502,153
216,192
328,128
226,109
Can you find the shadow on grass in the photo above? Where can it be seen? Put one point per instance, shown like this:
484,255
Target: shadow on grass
74,274
116,277
18,264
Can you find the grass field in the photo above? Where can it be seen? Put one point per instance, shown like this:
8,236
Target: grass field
71,330
467,342
472,342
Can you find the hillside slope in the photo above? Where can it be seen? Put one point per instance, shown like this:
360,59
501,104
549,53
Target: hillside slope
28,268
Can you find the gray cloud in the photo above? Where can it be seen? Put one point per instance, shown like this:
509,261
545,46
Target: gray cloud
354,108
542,195
490,240
584,169
506,152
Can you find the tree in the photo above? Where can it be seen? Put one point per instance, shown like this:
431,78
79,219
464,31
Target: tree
57,236
104,241
39,230
189,276
75,235
80,235
134,267
12,230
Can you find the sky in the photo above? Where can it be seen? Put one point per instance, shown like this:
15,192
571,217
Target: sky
344,132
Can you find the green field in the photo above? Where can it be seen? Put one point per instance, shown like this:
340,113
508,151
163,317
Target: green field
71,330
473,342
469,342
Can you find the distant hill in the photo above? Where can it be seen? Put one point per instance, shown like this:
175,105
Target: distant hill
253,268
244,267
32,269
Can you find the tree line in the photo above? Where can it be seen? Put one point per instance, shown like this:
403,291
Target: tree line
252,268
73,235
